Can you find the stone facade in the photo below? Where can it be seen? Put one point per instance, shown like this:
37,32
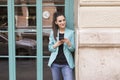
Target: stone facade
97,39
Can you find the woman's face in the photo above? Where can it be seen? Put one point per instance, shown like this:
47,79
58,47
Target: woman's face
61,22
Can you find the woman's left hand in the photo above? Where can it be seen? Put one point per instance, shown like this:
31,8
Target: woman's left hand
67,41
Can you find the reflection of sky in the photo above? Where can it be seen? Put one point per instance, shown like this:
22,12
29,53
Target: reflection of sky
27,42
47,31
32,31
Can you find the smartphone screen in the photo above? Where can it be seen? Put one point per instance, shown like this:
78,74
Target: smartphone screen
60,38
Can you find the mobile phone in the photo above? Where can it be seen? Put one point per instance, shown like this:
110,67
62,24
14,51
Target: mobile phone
60,38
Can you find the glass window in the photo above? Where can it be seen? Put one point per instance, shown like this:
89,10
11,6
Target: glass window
55,1
25,17
18,2
25,44
3,2
46,71
4,63
25,22
32,16
3,18
4,69
25,69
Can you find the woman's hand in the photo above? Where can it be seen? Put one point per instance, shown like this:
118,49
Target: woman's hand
67,41
58,43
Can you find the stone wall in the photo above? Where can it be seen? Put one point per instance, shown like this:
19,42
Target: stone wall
97,39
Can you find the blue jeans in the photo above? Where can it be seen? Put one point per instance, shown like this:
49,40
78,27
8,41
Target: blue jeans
66,71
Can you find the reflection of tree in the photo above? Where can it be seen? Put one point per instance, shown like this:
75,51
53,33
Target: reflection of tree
3,1
3,16
32,20
32,16
3,20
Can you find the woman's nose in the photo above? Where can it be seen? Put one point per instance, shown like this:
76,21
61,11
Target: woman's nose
63,22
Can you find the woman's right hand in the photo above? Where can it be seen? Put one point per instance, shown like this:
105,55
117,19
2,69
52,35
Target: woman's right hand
58,43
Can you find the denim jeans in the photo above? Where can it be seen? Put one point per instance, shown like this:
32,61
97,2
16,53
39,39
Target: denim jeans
67,72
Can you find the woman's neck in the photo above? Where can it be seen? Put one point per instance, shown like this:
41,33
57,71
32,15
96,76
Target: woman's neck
61,30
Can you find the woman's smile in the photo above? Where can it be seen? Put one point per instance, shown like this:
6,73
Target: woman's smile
61,22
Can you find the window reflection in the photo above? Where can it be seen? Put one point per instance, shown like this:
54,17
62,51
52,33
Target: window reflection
3,18
21,16
3,43
17,2
48,12
46,70
3,2
4,69
25,18
25,44
26,69
55,1
34,1
48,15
32,16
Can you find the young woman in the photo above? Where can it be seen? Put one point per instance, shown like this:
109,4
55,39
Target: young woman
61,45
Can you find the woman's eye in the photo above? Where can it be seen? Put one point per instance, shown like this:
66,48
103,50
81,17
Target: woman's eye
60,21
63,19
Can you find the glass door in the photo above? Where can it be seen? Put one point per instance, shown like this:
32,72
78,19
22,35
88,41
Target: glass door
4,60
25,26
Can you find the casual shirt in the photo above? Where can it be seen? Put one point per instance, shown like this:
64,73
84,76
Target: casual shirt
60,59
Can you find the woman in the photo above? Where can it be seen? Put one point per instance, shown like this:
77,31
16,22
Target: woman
61,45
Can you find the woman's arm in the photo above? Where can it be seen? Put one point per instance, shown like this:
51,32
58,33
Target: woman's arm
70,42
53,44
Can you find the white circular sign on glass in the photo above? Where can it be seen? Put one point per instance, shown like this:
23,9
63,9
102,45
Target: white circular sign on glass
46,14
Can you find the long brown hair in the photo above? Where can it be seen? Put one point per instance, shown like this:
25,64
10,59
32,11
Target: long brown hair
54,26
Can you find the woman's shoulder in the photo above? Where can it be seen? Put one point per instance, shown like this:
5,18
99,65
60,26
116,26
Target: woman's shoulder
51,31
